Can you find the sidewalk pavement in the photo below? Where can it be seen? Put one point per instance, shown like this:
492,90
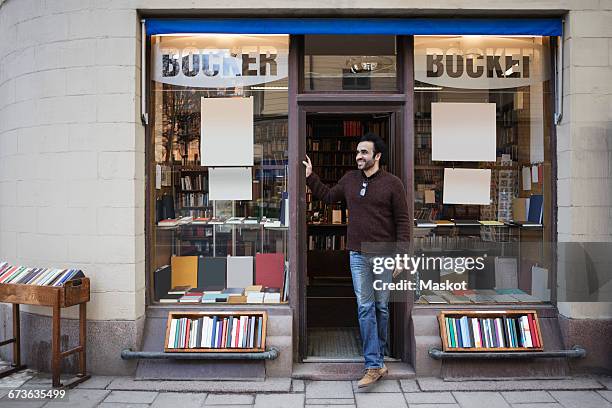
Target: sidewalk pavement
99,391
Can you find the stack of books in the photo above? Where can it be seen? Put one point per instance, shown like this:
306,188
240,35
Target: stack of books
517,331
37,276
216,332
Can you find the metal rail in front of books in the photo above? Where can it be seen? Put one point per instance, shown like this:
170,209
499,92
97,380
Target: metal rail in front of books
574,352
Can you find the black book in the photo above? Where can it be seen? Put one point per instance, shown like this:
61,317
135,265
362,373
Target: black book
213,273
199,334
228,340
270,290
162,277
233,291
494,332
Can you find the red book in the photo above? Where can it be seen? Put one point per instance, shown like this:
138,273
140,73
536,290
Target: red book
224,333
269,270
534,334
187,331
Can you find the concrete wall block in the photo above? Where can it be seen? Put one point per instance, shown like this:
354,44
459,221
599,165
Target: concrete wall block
606,4
98,249
42,247
590,164
83,193
23,10
117,165
23,114
117,79
46,28
7,92
117,108
64,6
116,51
116,193
591,192
590,23
28,86
81,24
591,136
116,221
564,197
564,141
54,220
564,222
81,81
589,52
8,246
71,165
283,365
139,247
8,143
110,305
61,109
591,108
592,80
139,275
18,219
117,23
115,137
280,325
564,165
111,277
8,193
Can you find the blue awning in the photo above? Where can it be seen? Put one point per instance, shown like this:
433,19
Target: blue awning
392,26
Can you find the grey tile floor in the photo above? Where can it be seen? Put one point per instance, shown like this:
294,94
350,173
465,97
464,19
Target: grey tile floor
99,391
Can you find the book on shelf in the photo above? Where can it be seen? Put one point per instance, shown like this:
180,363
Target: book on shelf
171,222
234,220
239,271
170,298
162,281
420,223
179,290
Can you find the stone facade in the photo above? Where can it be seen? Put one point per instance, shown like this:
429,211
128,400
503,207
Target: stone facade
72,172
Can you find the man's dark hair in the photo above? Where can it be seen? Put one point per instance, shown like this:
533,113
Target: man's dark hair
379,145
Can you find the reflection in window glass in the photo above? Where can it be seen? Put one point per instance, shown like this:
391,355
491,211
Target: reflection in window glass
349,63
513,74
187,222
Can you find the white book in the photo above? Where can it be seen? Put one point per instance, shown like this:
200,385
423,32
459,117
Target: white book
240,333
527,331
474,323
196,326
252,334
204,327
41,276
172,335
234,329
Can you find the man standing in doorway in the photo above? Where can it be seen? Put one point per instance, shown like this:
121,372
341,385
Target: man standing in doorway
376,201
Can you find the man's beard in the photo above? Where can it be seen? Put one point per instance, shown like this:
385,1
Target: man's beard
367,164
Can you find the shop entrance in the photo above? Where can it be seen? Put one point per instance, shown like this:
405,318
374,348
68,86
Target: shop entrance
330,328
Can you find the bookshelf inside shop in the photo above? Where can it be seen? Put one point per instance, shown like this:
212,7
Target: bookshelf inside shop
222,251
511,230
490,331
331,144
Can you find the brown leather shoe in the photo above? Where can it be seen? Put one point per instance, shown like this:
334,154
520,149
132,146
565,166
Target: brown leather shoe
383,371
370,377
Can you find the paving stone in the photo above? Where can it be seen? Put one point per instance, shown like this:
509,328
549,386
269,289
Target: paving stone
279,401
433,406
606,394
329,389
386,400
438,384
330,406
409,385
379,386
580,399
297,385
22,404
179,399
543,405
80,399
229,399
131,397
480,399
96,382
525,397
429,398
606,381
330,401
121,405
268,385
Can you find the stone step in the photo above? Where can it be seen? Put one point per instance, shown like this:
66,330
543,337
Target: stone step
347,371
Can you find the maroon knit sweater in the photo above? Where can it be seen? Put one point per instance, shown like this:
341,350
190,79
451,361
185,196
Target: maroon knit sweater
380,216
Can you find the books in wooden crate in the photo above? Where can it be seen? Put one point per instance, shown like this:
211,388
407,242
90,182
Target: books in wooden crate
504,330
230,331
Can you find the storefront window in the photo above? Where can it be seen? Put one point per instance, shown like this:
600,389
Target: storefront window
350,63
482,168
219,174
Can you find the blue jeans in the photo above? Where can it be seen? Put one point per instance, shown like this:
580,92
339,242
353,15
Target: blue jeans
372,307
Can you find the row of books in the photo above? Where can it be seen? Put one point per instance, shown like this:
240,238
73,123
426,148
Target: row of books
266,222
478,296
222,274
37,276
216,332
250,294
193,182
494,332
314,145
332,159
193,200
335,242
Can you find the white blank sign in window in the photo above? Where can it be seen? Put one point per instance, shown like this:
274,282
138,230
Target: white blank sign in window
463,131
226,132
230,183
467,186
